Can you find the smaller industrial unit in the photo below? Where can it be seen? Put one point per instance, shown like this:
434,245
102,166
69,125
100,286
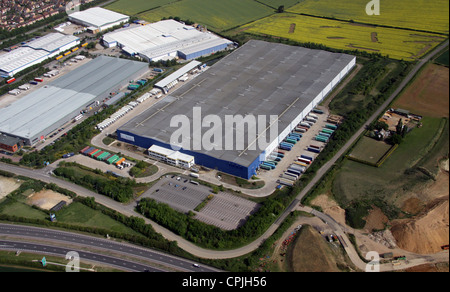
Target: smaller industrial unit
165,40
35,52
98,19
36,115
258,79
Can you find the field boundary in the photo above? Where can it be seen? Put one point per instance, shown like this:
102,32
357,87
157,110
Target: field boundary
380,162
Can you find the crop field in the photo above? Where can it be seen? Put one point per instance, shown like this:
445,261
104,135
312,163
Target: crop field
422,15
218,15
395,43
428,95
136,6
370,150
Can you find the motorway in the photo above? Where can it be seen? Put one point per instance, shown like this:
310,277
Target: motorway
204,253
100,249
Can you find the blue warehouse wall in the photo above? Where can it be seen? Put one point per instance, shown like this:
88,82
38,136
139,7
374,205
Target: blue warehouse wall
203,52
200,158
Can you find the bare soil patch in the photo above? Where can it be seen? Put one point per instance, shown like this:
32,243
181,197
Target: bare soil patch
292,28
427,268
7,185
330,207
426,233
312,253
374,37
47,199
429,94
376,220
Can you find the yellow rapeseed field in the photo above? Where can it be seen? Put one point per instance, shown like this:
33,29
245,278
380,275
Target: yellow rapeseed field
425,15
395,43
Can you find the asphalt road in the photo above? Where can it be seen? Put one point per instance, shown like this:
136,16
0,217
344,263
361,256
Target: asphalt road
84,256
51,241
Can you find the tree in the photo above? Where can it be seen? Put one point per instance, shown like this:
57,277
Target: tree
399,127
280,9
396,139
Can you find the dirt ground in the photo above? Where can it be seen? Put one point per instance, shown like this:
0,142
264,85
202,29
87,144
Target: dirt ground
428,95
424,233
47,199
7,185
330,207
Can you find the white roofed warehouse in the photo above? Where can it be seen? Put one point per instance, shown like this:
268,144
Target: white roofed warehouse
35,52
36,115
97,19
165,40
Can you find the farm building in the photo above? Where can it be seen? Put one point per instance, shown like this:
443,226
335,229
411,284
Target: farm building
35,52
165,40
258,79
46,109
97,19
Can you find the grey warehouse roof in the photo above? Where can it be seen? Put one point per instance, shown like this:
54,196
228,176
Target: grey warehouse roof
51,42
259,78
32,114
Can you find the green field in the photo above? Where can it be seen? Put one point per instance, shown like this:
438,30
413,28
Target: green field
356,181
395,43
443,59
81,215
75,214
136,6
277,3
370,150
217,15
422,15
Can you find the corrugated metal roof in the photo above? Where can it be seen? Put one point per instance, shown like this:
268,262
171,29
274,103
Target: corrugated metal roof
161,38
44,107
51,42
259,78
20,57
98,16
177,74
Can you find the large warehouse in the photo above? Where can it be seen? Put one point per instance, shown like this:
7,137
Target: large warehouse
258,79
43,111
165,40
35,52
97,19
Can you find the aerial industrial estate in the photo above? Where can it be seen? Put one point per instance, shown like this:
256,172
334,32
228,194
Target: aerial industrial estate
248,151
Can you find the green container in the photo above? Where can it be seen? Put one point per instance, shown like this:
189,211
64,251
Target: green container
93,154
113,159
104,155
328,131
